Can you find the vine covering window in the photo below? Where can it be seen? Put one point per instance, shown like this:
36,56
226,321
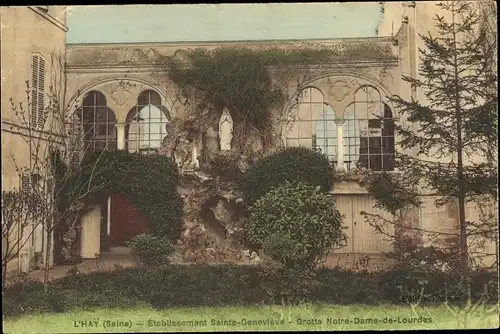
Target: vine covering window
146,124
98,121
37,115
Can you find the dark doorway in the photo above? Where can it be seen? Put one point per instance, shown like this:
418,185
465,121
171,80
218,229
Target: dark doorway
126,221
105,240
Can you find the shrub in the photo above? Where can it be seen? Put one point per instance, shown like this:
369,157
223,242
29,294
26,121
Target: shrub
151,250
296,224
227,285
289,287
346,287
403,285
28,296
294,164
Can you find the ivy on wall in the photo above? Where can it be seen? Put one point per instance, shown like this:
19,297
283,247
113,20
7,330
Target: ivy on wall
148,181
240,79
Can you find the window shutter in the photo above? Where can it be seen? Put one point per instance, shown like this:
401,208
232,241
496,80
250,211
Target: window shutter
34,90
41,92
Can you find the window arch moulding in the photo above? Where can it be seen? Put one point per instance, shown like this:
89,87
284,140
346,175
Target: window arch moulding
95,122
121,93
339,89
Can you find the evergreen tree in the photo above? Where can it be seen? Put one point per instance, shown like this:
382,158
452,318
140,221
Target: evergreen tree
449,138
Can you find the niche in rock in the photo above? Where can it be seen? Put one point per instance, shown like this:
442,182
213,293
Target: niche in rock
222,216
225,130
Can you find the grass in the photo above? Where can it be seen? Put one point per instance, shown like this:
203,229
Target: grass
304,317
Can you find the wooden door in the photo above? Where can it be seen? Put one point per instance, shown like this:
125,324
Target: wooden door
361,237
126,221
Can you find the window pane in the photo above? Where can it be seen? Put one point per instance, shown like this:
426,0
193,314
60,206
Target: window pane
316,95
317,109
305,129
375,142
375,162
293,130
304,112
292,142
375,123
363,160
388,162
306,143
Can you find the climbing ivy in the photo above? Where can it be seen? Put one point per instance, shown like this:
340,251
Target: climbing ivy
148,181
252,82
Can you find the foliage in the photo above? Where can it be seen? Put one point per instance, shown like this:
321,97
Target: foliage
452,130
19,209
149,181
226,285
296,224
225,166
250,82
389,191
290,286
293,164
67,176
236,79
28,296
151,250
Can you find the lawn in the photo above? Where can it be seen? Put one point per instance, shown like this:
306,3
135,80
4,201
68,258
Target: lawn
304,317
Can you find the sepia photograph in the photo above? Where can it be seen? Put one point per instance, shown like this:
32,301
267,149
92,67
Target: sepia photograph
250,167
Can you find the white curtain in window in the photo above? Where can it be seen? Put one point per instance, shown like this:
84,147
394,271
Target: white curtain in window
150,127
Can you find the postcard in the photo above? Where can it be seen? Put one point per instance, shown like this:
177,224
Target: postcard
236,167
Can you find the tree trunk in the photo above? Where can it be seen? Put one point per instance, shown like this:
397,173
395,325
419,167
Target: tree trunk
47,259
5,263
464,256
67,252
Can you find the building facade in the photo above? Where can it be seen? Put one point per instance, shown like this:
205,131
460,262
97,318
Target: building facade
33,40
118,95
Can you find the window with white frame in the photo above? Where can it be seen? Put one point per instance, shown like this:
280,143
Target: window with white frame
365,132
325,136
98,122
312,112
37,116
146,124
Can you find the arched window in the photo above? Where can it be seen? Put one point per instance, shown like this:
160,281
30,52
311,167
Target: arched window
326,133
98,122
369,131
351,132
146,123
312,124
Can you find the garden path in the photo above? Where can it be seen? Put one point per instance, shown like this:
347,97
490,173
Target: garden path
121,257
